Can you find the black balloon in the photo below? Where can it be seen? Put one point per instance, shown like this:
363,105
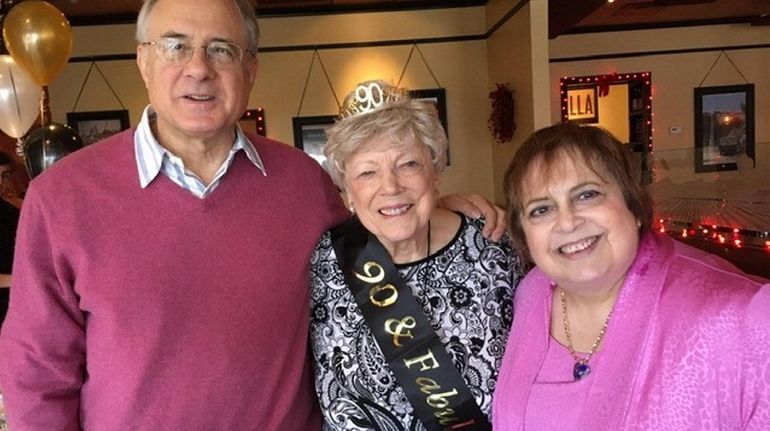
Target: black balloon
5,6
47,144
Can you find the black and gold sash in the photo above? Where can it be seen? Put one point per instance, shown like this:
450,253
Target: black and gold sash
432,384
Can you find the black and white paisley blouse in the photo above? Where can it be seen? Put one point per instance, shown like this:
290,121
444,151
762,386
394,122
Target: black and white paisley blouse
465,290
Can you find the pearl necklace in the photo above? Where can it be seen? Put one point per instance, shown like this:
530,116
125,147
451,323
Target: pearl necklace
581,368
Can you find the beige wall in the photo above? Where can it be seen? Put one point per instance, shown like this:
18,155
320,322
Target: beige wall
613,111
460,67
674,76
518,55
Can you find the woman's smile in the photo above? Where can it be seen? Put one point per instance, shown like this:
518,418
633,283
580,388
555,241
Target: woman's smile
579,248
393,211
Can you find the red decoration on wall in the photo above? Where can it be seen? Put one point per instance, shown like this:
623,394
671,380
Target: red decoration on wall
604,84
500,121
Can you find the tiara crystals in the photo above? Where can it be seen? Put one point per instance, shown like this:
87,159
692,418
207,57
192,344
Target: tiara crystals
370,96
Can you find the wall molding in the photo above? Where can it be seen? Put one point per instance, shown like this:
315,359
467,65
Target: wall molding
658,52
345,45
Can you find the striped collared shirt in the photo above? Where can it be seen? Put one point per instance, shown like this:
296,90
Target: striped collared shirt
152,158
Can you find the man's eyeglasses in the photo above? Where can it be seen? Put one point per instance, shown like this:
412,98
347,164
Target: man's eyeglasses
178,51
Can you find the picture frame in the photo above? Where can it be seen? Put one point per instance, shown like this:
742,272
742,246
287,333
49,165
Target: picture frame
437,96
96,125
253,120
724,126
310,135
636,88
582,104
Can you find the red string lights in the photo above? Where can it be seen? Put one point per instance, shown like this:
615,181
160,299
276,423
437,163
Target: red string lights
734,237
258,116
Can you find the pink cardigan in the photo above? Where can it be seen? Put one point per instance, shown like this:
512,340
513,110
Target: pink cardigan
151,309
687,348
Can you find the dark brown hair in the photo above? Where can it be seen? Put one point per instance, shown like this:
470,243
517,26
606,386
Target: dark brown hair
598,149
5,159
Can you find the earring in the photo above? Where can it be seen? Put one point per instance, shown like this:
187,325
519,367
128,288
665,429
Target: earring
638,223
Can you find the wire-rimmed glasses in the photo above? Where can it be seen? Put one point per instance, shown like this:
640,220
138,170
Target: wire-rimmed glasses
179,51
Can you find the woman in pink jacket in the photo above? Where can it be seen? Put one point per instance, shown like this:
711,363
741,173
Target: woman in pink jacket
618,328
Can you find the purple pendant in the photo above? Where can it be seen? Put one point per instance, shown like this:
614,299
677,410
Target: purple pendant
580,370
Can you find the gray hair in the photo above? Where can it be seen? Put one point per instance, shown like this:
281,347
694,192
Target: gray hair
403,123
247,11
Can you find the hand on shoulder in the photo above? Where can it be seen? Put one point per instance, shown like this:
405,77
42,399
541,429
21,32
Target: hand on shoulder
475,206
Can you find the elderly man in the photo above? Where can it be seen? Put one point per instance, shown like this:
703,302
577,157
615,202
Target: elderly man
161,277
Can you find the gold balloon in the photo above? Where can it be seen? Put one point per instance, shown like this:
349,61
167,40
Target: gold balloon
19,99
39,38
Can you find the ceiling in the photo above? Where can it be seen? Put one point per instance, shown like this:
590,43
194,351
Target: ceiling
631,14
566,16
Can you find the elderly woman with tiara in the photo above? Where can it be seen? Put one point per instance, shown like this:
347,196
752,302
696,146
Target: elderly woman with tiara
411,305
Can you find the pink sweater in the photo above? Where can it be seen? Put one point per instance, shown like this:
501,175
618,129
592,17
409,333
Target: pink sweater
152,309
687,348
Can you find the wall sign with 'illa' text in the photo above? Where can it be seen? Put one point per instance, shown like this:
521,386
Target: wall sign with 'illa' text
582,104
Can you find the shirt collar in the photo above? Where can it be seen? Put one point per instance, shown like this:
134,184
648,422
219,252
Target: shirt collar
150,155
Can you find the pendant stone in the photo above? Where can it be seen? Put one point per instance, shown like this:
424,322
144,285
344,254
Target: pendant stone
580,370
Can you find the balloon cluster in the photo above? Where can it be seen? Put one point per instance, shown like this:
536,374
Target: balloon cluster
39,39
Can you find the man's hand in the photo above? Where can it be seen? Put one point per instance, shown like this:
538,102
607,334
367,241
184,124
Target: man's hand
475,206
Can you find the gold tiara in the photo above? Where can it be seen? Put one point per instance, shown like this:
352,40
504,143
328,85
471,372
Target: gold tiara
370,96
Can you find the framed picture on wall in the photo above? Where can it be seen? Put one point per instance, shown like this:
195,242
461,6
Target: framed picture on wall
310,135
724,126
97,125
436,96
582,104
